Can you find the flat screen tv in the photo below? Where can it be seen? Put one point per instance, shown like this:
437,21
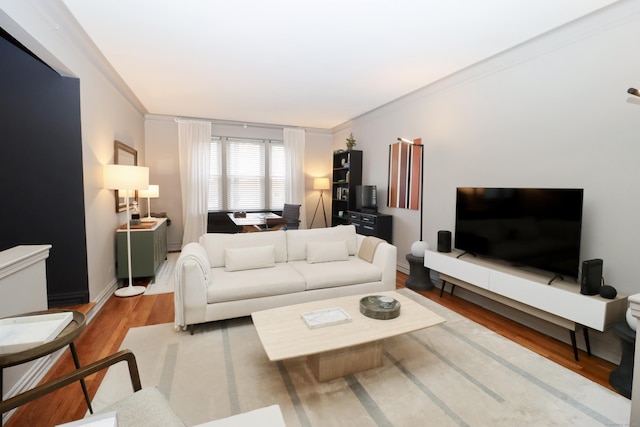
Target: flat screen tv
533,227
367,198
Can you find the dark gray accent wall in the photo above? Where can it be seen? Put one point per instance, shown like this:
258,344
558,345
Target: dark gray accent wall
41,181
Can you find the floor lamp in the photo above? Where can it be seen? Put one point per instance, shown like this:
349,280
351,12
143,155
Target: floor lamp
127,178
320,184
153,192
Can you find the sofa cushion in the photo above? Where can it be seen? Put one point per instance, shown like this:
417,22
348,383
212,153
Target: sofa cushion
146,407
239,259
240,285
216,243
327,251
297,239
351,272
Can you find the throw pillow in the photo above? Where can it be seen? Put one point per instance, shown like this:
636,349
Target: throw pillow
238,259
327,251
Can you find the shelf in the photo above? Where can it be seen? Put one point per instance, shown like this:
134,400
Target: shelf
345,179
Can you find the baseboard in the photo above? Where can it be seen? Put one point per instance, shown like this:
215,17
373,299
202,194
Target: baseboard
102,299
68,299
403,268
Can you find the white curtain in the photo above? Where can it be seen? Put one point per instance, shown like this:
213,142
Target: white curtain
294,164
194,141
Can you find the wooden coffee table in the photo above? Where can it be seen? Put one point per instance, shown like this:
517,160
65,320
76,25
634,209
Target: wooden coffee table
337,350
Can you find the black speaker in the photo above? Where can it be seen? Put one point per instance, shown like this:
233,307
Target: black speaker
444,241
591,276
608,292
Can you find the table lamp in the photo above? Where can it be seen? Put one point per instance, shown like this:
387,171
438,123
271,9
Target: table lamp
127,178
153,192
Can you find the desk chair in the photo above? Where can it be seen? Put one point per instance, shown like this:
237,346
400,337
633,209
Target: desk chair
292,214
273,224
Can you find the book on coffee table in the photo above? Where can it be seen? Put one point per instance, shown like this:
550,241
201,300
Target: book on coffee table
326,317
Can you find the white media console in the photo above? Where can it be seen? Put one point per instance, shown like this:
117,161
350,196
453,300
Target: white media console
560,302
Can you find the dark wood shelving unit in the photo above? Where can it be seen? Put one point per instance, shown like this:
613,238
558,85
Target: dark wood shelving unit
347,175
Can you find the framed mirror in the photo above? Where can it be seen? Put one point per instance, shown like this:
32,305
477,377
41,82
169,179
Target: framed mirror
124,155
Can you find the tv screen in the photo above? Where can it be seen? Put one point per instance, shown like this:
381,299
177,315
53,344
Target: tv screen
535,227
367,198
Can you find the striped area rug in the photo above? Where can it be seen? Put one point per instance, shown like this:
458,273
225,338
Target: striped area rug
455,374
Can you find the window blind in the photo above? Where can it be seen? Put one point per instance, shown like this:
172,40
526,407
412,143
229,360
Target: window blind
246,174
276,175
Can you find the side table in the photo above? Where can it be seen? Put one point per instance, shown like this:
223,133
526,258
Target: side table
621,378
66,337
418,279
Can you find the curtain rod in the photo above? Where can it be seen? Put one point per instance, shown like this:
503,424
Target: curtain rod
240,124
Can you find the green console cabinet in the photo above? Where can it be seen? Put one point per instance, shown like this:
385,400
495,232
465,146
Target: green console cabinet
148,249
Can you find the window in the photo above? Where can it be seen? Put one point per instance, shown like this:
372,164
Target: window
246,174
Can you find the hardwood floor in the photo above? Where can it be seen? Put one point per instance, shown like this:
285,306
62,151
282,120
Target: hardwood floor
107,330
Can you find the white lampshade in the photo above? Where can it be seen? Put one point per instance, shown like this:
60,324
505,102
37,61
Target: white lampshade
124,177
153,192
321,184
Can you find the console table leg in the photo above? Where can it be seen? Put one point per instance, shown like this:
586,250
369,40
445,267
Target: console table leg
573,344
586,339
84,386
444,282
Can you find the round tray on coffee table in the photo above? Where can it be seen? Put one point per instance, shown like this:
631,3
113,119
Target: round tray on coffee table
379,307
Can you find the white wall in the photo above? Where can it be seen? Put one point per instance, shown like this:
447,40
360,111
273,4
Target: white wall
553,112
107,114
318,164
161,140
162,158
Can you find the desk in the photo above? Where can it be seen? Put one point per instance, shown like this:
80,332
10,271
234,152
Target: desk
66,337
252,221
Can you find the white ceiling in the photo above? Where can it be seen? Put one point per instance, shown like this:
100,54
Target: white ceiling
311,63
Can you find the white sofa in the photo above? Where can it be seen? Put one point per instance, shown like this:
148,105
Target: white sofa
232,275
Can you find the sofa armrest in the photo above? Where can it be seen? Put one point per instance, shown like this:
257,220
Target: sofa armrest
77,375
191,282
385,257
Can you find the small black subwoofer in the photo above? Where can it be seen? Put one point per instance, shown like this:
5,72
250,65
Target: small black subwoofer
608,292
591,277
444,241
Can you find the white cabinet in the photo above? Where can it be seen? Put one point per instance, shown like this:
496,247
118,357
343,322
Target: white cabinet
560,302
465,271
